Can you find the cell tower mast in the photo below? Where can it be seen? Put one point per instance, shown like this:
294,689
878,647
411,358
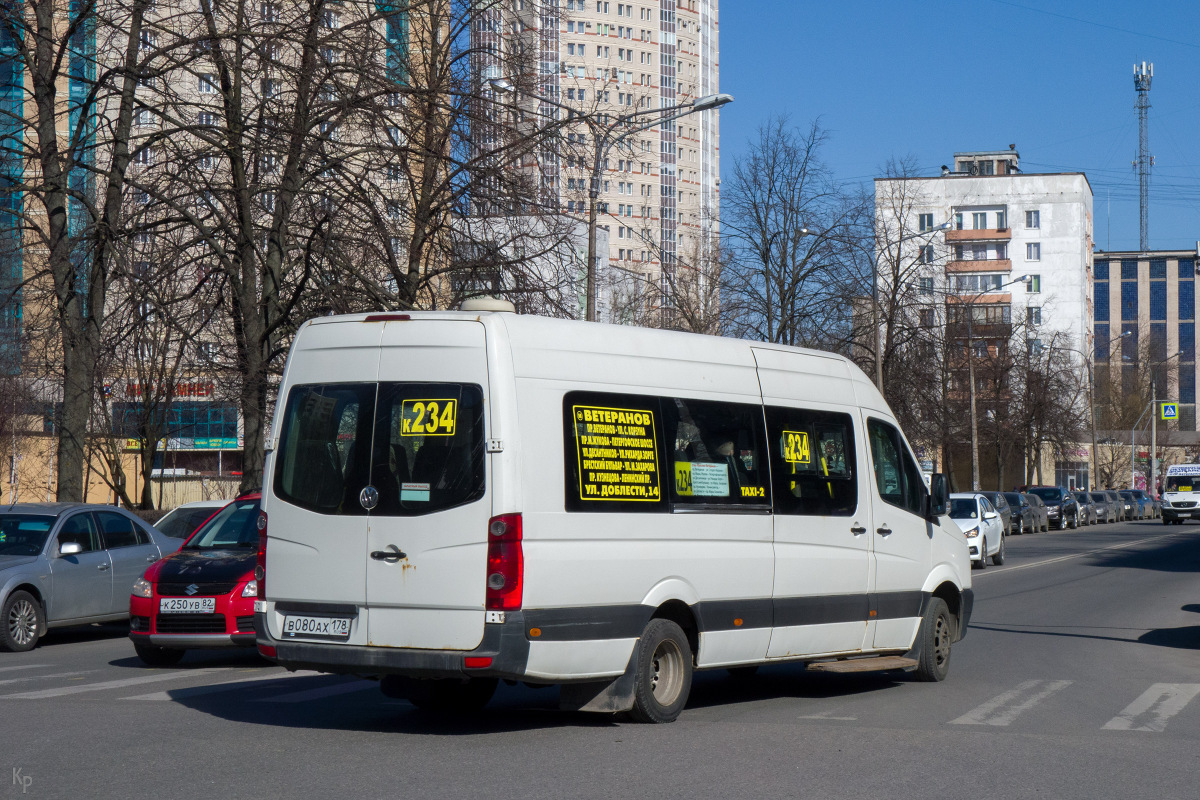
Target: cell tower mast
1142,75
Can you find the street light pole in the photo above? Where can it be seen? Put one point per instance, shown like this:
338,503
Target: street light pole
605,140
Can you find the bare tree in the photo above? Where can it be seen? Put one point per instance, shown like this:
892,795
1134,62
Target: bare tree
74,182
794,236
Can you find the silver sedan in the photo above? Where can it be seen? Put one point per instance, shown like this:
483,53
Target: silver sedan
69,564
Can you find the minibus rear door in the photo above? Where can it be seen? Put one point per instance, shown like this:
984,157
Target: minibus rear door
426,553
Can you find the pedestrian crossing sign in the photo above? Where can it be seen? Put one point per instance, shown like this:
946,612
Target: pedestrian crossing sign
1170,411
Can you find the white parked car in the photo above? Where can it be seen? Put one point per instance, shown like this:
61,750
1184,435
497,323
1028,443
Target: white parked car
982,525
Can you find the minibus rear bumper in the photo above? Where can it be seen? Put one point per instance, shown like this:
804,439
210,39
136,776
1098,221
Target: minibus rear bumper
502,653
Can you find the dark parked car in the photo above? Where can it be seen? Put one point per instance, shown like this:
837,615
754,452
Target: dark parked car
1118,502
1000,503
1023,515
1145,505
1087,508
69,564
1105,509
1062,509
1041,516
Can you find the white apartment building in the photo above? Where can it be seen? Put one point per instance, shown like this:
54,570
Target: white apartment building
659,193
1000,224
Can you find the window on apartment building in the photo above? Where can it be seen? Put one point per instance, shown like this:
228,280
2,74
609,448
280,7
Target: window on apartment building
1001,220
925,222
1129,301
979,220
208,83
1034,347
925,254
1033,219
1101,342
144,157
268,12
1158,300
1100,300
1033,251
1187,299
925,285
958,221
143,117
1033,315
1033,284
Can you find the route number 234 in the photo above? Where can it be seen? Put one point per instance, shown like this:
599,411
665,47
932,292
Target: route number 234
428,417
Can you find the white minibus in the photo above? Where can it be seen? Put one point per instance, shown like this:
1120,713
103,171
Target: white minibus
456,498
1181,494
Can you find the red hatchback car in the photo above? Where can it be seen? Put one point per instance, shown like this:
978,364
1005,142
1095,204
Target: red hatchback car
202,595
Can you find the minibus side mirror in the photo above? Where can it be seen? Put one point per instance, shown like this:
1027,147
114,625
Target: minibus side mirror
939,495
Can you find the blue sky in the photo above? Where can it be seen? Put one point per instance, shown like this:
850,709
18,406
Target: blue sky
926,78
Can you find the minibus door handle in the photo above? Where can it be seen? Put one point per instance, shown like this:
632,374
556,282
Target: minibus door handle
884,530
858,530
391,556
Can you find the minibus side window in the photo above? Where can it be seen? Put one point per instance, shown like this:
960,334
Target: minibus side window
896,476
323,460
813,462
716,453
613,452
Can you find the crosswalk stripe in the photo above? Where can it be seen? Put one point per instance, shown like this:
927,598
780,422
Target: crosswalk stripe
45,677
62,691
1154,707
322,692
232,685
23,666
1004,708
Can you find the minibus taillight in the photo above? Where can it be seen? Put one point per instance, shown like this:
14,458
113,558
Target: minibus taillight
505,563
260,563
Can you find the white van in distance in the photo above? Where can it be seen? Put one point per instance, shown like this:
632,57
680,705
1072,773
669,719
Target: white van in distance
455,498
1181,494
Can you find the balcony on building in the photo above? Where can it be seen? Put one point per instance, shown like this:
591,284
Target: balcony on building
982,235
980,265
991,315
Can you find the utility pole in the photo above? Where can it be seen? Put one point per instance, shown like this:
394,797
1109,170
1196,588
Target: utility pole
1142,75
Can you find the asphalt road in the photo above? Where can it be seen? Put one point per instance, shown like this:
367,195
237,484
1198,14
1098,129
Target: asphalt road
1077,679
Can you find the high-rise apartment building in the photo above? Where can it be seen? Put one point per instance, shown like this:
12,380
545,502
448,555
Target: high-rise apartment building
659,191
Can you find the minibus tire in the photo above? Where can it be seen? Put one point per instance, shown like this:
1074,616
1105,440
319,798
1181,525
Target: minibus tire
452,695
937,632
663,673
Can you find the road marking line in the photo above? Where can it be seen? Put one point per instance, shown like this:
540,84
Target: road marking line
322,692
1003,708
231,685
1160,702
97,687
45,677
827,715
24,666
1005,570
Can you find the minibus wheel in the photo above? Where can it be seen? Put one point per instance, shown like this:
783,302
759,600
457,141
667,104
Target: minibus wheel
663,677
937,632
